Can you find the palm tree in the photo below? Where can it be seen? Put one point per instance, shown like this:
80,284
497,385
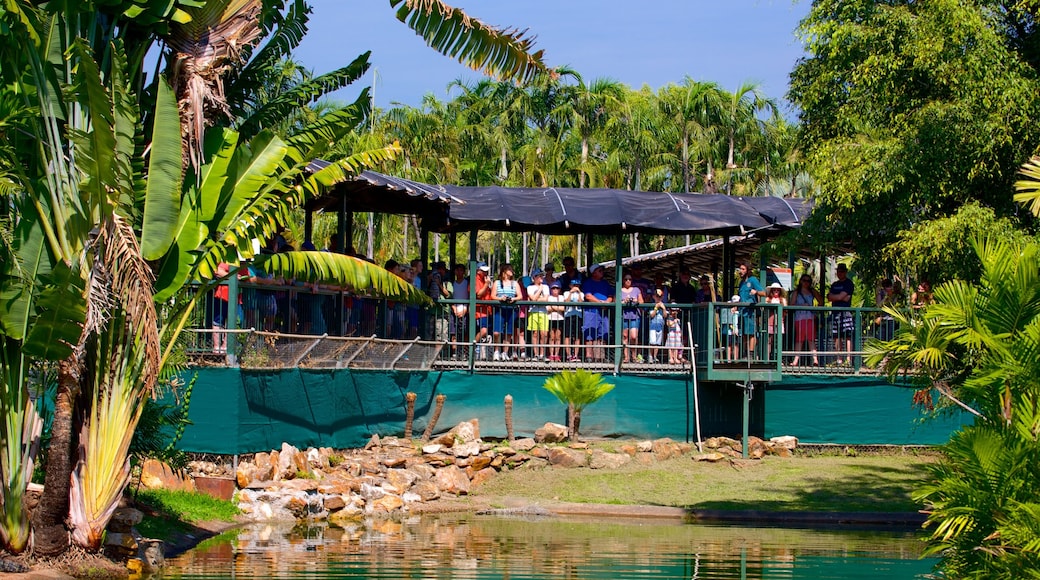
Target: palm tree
979,346
97,166
577,389
693,110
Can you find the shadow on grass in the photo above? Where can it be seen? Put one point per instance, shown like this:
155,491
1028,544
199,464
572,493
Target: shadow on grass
867,488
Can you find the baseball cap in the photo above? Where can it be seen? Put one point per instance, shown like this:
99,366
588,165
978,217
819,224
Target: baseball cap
483,267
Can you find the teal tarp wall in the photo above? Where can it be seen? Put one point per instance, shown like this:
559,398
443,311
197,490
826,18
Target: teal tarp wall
853,410
234,411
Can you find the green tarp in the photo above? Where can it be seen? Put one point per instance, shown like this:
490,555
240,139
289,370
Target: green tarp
853,410
235,411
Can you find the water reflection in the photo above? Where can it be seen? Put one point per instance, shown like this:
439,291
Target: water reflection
476,547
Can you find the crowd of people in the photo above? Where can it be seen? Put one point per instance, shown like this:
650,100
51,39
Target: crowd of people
569,316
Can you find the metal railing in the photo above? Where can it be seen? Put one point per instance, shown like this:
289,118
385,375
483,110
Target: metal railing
526,336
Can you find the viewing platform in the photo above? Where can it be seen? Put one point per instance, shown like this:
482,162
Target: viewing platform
294,326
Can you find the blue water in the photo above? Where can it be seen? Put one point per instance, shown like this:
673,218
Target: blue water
477,547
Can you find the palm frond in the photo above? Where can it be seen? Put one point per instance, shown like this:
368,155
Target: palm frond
501,53
1029,188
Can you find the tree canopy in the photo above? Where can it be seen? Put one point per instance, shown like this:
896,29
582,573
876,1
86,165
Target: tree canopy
910,110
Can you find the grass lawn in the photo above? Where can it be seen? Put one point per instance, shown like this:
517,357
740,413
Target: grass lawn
169,513
821,483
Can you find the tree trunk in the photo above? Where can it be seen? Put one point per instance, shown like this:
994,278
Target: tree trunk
572,422
51,534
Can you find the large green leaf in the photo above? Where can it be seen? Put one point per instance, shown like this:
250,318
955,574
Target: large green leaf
96,145
338,269
162,200
62,311
18,283
252,172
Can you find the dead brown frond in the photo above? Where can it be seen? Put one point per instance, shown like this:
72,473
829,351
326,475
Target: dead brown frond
202,51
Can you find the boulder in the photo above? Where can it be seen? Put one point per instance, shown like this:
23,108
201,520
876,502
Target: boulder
788,442
525,444
387,503
564,457
427,490
664,449
604,460
402,479
334,503
483,475
123,519
550,433
468,449
712,457
157,475
432,448
452,480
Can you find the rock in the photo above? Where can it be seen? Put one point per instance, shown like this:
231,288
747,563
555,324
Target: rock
645,446
121,541
468,449
664,449
483,475
275,460
540,452
427,490
371,492
373,442
629,450
395,461
410,498
480,462
423,471
785,442
713,457
334,503
152,554
244,474
349,514
432,448
157,475
781,451
316,459
402,479
445,439
387,503
564,457
123,519
534,463
298,507
452,480
467,431
302,485
604,460
525,444
550,433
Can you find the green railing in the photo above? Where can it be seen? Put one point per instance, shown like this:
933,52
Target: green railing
722,339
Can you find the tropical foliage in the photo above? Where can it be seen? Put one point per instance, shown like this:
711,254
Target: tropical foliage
563,130
910,110
979,346
577,389
115,193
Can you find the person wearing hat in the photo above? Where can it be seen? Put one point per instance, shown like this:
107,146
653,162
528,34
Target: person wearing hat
538,315
843,324
507,291
683,291
774,295
596,322
572,317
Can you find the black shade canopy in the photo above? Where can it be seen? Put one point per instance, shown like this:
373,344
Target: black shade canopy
447,208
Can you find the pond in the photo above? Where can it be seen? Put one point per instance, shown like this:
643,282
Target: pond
493,547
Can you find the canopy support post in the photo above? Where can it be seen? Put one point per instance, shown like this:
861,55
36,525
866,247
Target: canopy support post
727,267
471,315
308,226
345,227
618,276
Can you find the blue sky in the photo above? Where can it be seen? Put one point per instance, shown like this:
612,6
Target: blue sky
652,43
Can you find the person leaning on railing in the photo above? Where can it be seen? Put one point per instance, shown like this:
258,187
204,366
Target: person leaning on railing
843,323
596,323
